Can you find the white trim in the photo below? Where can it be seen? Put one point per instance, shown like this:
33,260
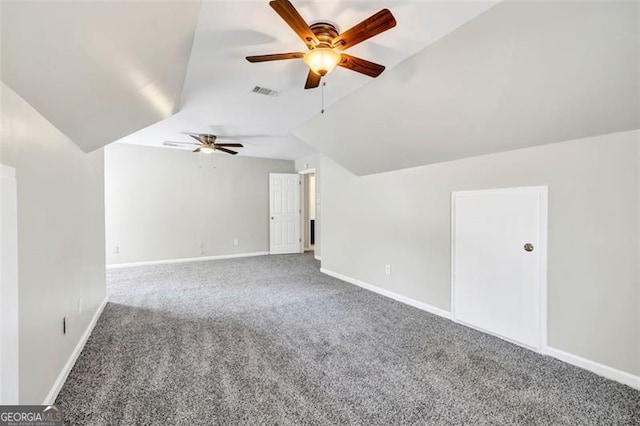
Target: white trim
187,259
303,212
307,171
592,366
62,377
595,367
543,215
318,258
543,196
390,294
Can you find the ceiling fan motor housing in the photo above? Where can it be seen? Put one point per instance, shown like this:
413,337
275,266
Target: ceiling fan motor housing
208,139
325,32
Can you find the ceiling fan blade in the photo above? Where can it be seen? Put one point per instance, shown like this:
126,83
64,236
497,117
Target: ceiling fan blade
196,150
360,65
197,137
288,12
232,145
313,80
275,57
228,151
175,143
372,26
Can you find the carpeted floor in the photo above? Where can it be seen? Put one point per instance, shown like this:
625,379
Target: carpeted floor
271,340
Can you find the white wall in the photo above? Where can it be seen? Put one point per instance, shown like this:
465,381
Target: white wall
163,203
9,354
402,218
60,241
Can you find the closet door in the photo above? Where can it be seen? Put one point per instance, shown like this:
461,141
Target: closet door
499,262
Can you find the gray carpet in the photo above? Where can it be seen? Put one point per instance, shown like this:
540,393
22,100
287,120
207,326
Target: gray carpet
271,340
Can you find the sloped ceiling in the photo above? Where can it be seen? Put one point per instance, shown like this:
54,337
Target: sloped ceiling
218,98
521,74
98,70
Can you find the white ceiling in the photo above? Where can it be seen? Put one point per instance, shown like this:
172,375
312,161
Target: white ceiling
217,95
490,78
98,70
522,74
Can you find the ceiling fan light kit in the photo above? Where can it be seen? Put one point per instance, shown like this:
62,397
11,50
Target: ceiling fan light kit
322,60
325,44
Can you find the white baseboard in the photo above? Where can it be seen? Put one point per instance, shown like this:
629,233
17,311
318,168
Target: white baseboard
320,259
186,259
595,367
62,377
400,298
592,366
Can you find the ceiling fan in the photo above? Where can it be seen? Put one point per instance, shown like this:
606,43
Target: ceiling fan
207,144
326,44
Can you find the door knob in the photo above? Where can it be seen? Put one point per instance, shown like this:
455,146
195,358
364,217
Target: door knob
528,247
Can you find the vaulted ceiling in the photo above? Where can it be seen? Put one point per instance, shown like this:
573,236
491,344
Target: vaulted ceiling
145,72
218,97
522,74
98,70
462,78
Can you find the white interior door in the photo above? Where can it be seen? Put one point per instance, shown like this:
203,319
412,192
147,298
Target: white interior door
499,262
284,210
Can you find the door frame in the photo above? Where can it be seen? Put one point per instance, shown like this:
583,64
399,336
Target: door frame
303,206
543,197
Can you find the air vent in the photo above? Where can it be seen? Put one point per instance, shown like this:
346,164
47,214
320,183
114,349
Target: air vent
264,91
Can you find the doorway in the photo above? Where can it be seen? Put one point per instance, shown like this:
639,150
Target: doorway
308,210
499,262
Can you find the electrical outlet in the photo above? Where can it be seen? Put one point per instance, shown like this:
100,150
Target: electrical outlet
80,306
387,269
235,242
201,247
115,250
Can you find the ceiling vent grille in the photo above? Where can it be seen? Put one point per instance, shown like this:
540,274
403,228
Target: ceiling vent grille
264,91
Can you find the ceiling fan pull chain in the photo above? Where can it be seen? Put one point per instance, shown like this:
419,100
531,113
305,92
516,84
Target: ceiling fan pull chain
324,83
